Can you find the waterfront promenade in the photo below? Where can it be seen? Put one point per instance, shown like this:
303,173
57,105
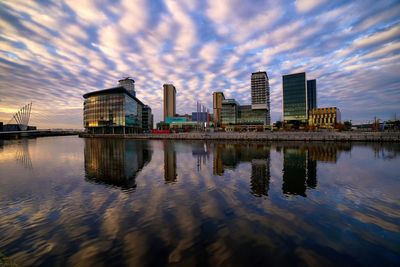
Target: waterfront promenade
265,136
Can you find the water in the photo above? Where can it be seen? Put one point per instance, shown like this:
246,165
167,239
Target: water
97,202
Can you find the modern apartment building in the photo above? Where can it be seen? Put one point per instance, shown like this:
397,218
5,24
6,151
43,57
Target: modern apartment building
260,92
218,97
169,100
128,84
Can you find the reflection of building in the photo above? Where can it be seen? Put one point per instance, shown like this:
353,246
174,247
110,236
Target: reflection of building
218,97
299,171
230,155
169,100
169,162
325,117
295,97
260,175
201,152
115,110
115,161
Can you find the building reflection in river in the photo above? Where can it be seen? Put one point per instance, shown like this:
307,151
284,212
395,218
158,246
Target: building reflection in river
115,161
170,174
258,155
299,172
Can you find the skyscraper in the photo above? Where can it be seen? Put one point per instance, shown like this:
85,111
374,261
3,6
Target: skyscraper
295,97
218,97
128,84
311,94
169,100
260,93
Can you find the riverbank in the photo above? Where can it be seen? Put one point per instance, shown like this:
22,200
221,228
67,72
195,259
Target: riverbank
35,133
263,136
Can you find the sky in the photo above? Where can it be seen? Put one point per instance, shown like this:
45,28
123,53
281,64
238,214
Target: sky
53,52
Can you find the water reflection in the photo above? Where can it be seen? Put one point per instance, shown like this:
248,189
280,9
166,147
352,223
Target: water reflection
115,161
299,172
197,203
228,156
170,174
22,155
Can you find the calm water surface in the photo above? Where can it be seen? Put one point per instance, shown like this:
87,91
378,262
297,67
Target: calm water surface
96,202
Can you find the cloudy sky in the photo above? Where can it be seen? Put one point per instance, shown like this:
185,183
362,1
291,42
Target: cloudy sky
52,52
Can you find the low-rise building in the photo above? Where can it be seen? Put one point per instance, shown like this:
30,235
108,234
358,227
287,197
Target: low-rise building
249,116
229,112
147,118
324,117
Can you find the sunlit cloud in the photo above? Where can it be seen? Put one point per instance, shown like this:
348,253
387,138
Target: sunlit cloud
53,53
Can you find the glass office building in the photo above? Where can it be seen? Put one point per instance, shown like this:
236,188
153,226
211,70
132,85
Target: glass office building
249,116
112,111
295,97
230,111
311,94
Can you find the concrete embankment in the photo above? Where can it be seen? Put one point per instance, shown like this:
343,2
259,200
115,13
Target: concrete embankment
266,136
35,133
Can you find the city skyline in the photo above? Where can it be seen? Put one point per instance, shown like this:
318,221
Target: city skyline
53,53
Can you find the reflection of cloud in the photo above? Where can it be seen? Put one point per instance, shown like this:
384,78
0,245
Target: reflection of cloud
59,218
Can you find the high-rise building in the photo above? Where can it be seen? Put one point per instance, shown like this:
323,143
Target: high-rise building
260,93
311,94
295,97
218,97
128,84
169,100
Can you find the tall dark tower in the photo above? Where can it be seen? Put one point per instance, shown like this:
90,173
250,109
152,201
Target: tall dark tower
295,97
311,94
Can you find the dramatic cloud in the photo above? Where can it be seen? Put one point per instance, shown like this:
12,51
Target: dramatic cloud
53,52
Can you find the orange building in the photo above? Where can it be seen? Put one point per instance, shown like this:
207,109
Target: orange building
324,117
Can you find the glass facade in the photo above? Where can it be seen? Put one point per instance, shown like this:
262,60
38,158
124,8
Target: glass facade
112,111
248,116
230,110
312,94
295,97
104,110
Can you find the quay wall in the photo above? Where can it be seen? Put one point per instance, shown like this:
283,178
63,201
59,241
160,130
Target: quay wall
264,136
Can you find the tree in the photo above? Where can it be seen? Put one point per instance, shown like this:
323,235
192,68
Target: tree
347,125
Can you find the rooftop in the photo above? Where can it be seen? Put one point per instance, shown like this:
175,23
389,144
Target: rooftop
113,90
